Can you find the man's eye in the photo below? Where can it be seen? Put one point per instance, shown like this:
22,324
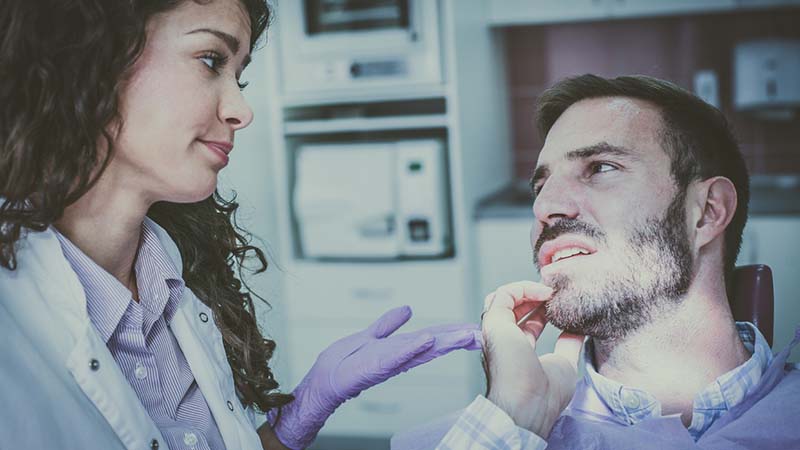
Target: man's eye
602,167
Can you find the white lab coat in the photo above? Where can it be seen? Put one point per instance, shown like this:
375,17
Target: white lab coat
50,395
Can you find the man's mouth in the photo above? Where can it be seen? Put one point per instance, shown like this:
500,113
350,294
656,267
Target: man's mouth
568,253
564,248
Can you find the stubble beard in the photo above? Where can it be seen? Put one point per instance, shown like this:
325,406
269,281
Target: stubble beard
653,280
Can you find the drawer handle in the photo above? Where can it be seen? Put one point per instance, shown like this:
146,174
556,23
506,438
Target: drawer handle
383,294
380,408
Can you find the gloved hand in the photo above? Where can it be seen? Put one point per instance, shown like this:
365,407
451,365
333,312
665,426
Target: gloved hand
362,360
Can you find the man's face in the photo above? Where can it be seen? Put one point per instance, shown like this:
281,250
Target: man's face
610,234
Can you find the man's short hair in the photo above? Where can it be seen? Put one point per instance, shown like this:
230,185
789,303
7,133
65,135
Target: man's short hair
695,135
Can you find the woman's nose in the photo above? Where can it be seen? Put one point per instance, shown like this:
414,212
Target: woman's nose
234,109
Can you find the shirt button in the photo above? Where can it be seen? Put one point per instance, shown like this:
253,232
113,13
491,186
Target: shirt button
190,439
141,371
230,405
94,364
632,401
204,317
154,444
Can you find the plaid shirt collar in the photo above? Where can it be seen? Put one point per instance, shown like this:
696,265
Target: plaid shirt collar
634,405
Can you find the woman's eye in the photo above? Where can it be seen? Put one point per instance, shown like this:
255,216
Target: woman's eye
213,61
209,61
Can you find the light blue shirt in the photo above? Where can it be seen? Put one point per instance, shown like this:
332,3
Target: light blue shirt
484,426
632,405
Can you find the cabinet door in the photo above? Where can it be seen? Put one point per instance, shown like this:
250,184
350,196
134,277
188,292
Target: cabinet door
775,241
644,8
361,292
515,12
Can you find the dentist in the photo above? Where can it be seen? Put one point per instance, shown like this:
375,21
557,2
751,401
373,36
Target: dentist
125,321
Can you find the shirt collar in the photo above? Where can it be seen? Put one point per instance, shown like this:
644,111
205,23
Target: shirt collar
106,298
160,285
633,405
629,404
730,388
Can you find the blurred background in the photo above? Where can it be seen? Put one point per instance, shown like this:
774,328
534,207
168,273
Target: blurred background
388,161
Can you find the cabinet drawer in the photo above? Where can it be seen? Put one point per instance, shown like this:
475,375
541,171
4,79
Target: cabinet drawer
341,292
393,407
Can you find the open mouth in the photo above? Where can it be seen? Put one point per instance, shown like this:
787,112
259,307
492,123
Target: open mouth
564,249
568,253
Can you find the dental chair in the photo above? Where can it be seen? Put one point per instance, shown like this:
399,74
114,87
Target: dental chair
751,297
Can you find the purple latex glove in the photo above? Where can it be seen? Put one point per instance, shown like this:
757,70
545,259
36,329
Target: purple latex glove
360,361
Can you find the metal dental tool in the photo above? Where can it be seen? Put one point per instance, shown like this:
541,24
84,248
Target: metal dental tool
528,315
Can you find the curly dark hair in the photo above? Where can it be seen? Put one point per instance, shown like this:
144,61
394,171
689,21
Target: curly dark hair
62,65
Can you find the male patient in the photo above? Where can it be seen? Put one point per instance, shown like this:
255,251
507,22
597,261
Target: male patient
640,201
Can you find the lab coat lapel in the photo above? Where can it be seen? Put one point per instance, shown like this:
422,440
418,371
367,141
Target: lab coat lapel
197,345
106,387
101,379
201,344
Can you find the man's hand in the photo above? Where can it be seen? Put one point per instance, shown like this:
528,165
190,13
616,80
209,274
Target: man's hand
532,390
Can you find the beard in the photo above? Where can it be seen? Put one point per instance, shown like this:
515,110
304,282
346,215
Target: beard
648,281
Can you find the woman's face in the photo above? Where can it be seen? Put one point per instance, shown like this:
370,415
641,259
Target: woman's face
182,104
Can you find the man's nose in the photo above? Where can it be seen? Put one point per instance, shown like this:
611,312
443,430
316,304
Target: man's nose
556,200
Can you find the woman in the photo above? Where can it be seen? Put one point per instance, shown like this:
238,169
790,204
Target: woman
125,321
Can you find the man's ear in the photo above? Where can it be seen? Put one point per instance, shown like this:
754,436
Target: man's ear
716,199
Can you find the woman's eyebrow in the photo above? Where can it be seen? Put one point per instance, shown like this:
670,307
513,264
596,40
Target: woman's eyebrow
229,40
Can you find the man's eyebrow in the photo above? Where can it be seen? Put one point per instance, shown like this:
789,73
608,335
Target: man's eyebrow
601,148
229,40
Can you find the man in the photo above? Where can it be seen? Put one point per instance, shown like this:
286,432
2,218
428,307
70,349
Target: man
640,201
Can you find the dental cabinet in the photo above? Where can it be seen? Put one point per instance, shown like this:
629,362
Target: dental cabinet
342,262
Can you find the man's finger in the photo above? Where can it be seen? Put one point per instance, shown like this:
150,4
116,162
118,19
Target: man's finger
512,295
569,346
535,323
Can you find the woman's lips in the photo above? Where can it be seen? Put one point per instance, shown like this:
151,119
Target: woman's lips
221,149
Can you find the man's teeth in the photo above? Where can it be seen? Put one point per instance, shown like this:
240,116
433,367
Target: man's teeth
567,252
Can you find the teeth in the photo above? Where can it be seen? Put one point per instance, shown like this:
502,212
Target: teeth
567,252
